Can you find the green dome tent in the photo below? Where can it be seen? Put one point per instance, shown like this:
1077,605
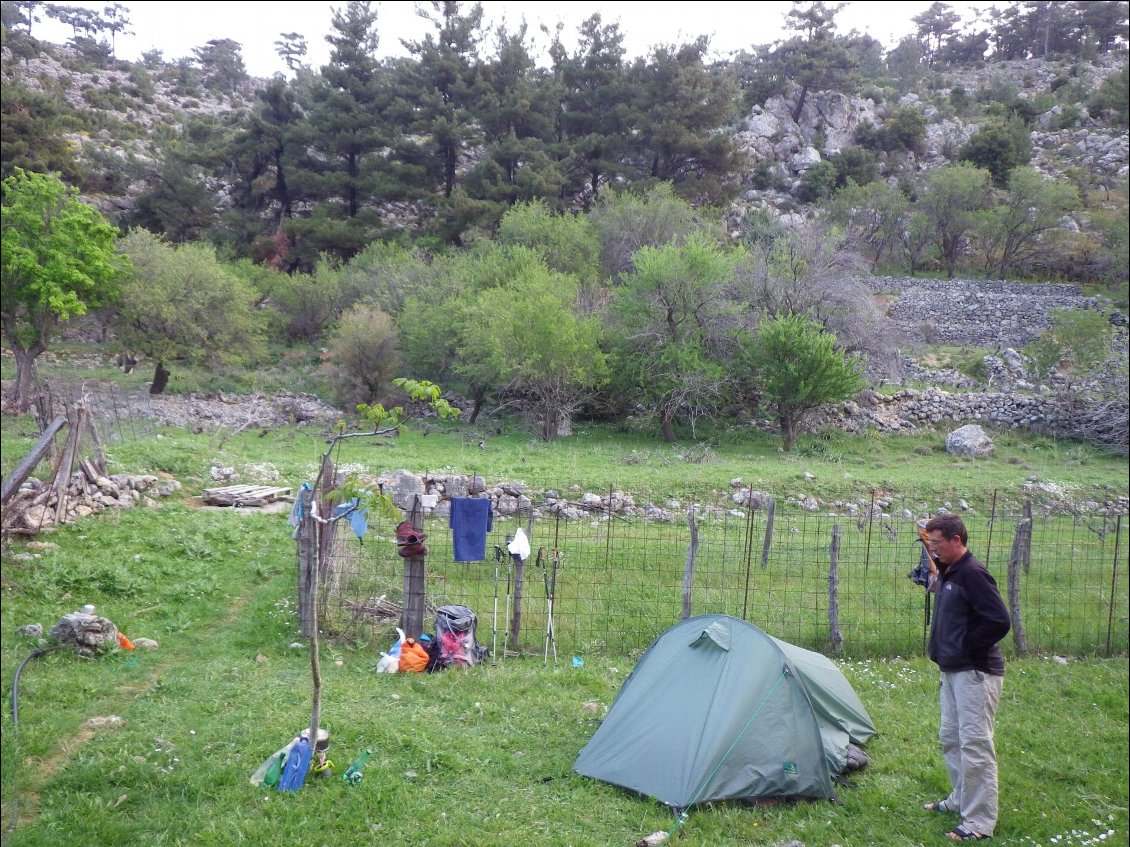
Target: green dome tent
716,709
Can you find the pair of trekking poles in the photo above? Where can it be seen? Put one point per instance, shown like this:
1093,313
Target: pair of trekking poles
550,596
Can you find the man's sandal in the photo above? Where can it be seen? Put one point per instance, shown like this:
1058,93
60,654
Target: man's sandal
939,806
960,833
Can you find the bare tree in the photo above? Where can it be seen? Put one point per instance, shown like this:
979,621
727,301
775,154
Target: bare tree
811,271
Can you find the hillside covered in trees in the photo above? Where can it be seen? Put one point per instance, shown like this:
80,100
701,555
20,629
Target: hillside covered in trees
649,228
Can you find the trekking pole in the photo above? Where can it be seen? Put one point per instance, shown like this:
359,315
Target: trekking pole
548,602
550,635
556,558
509,566
494,617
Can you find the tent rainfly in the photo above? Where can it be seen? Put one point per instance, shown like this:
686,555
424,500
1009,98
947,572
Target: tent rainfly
716,709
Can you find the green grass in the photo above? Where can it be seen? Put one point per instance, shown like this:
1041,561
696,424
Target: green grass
597,457
476,757
291,369
484,757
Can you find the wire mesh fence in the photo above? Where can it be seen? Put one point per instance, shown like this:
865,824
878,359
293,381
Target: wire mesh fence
832,583
117,414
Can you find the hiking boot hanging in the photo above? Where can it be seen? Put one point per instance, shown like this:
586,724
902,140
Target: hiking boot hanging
409,542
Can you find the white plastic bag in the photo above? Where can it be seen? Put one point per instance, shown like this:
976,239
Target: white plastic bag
390,661
520,545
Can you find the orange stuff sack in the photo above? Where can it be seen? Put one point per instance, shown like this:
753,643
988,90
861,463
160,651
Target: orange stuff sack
124,642
413,657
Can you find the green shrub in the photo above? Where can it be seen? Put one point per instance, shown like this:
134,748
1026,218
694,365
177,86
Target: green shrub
818,182
999,148
1114,95
855,164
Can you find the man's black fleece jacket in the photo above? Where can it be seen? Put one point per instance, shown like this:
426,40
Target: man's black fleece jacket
970,619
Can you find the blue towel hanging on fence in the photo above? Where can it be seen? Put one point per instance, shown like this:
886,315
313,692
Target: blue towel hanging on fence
358,517
471,520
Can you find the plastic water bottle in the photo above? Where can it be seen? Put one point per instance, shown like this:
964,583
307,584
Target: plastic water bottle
352,773
271,777
297,763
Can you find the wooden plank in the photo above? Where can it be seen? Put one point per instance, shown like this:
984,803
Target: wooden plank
62,477
245,495
22,471
254,490
89,469
96,444
230,489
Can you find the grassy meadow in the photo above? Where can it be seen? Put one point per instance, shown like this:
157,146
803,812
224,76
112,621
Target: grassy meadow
157,747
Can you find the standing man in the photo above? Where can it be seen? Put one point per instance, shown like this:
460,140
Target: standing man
970,619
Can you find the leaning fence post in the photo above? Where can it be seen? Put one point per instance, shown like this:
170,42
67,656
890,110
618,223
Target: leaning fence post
834,590
870,524
63,471
992,523
15,479
768,533
1021,549
688,568
750,509
1026,551
1113,582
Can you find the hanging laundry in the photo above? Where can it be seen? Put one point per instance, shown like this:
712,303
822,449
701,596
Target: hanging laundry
358,517
471,520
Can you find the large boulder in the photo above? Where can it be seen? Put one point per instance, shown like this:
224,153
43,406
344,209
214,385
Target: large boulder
87,633
405,486
969,441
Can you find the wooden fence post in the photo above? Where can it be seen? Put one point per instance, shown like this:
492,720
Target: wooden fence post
415,579
768,533
834,591
63,472
1021,552
307,560
688,568
22,471
1113,582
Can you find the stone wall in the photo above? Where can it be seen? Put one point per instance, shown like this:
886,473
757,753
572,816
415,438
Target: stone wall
990,314
909,409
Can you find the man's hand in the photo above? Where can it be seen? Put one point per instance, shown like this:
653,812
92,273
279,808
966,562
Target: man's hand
925,539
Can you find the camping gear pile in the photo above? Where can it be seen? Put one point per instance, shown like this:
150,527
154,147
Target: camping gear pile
286,769
716,709
453,645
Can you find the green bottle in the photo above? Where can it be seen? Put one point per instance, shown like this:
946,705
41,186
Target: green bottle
352,773
271,777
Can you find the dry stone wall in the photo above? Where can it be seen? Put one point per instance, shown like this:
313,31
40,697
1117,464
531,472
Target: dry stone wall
979,313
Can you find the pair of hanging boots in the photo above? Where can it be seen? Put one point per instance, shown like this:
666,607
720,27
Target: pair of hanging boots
409,542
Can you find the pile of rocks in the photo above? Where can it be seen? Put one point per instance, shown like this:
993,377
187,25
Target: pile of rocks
35,507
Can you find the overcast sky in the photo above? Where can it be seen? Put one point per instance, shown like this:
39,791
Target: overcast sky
176,28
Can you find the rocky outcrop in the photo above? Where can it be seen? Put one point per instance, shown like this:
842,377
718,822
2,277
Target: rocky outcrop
780,150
